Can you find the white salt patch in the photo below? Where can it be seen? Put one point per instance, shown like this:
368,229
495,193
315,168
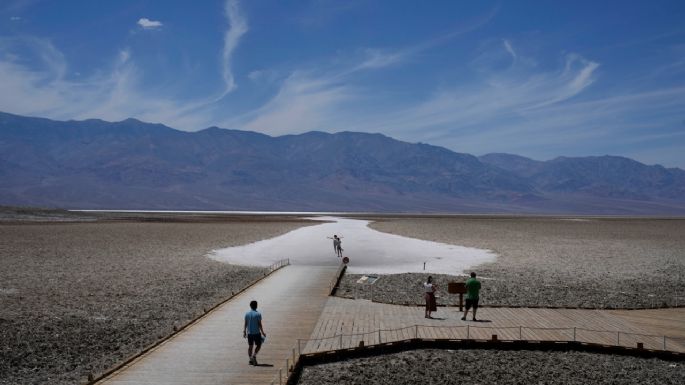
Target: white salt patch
370,251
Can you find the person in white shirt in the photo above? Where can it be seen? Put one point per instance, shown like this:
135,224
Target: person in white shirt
429,295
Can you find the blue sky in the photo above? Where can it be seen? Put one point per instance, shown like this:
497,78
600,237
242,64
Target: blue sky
536,78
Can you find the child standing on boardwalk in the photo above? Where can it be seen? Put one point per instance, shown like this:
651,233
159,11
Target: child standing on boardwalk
253,331
429,295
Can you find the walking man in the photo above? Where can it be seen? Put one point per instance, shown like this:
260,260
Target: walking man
472,290
253,331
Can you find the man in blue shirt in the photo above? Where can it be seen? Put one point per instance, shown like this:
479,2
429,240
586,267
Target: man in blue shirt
253,331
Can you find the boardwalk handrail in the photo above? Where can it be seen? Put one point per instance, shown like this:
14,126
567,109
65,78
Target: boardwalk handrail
314,345
278,264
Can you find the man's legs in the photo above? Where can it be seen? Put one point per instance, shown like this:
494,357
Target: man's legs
475,307
249,350
258,343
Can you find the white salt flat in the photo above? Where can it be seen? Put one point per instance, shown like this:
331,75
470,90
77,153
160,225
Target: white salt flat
369,251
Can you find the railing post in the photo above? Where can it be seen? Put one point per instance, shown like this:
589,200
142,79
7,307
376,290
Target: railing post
379,336
341,341
574,334
293,357
287,365
299,349
416,332
664,342
280,376
618,338
520,333
467,332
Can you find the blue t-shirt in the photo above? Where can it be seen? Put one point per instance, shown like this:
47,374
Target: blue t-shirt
253,317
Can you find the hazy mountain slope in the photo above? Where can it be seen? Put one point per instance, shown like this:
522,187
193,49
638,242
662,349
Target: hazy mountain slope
597,176
136,165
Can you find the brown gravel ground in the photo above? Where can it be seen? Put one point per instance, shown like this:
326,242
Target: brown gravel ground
495,367
77,298
549,262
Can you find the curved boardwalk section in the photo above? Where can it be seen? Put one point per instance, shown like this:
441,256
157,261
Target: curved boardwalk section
212,351
344,323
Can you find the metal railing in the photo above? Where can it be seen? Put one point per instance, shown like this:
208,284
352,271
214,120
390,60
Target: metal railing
277,265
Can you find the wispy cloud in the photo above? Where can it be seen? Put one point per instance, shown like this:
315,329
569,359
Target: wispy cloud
303,103
44,89
509,48
33,74
324,99
498,100
237,28
146,23
540,114
376,58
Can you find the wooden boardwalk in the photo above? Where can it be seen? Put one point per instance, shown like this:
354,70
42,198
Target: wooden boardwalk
212,351
345,322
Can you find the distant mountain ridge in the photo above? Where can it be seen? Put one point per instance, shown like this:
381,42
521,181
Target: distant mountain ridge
94,164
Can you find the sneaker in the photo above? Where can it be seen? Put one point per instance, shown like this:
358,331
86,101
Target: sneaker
254,361
463,318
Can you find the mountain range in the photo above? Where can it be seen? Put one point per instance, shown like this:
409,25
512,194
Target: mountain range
93,164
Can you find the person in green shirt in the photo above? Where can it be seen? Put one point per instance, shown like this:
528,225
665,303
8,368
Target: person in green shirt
472,290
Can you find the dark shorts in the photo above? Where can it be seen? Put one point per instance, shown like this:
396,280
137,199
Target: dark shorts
471,302
254,339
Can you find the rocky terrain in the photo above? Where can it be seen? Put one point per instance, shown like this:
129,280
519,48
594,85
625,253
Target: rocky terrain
548,262
495,367
78,298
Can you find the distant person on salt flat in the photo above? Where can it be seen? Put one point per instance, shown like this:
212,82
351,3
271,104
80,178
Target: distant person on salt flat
429,295
472,291
253,331
337,245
